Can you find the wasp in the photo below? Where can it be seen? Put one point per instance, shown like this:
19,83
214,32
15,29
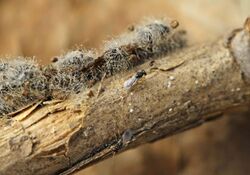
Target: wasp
132,81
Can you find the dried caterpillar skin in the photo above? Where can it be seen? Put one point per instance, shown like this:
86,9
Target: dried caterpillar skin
67,75
151,40
21,83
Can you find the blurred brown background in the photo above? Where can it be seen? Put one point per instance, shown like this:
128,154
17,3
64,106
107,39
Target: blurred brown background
45,28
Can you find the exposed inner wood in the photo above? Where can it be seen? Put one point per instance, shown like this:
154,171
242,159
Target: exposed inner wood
180,91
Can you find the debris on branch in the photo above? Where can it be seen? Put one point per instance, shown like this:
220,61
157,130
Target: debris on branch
178,91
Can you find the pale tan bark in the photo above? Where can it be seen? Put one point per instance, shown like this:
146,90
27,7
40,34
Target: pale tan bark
180,91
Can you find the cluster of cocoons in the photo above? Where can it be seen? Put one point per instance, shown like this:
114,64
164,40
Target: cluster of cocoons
23,82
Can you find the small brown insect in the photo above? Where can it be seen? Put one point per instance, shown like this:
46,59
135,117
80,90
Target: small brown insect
174,24
54,59
131,28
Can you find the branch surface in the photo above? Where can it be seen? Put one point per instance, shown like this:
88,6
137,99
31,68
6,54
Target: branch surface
179,92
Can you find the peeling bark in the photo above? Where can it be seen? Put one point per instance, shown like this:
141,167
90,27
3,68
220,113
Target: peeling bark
179,92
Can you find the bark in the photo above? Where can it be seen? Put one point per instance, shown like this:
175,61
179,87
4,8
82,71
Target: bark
179,92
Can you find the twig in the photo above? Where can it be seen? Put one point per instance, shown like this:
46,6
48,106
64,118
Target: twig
73,134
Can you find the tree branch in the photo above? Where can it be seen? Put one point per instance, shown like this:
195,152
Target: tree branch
180,91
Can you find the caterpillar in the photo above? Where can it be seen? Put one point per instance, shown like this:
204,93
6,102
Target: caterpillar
23,81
